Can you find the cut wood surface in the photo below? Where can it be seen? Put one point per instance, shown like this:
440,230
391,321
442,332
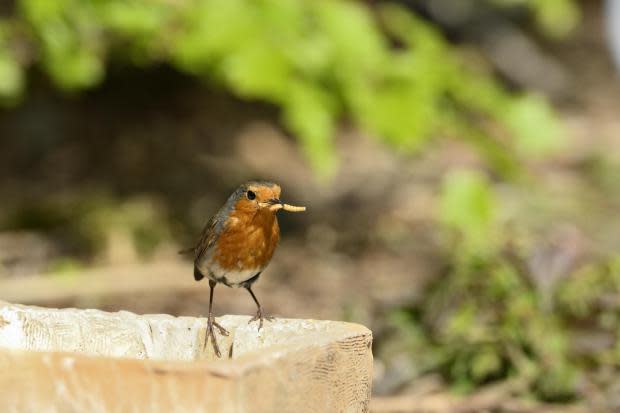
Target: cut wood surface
92,361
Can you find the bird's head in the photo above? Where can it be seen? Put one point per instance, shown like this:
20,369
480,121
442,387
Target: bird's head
258,196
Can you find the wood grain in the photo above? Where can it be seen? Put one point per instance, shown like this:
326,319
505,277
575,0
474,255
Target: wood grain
92,361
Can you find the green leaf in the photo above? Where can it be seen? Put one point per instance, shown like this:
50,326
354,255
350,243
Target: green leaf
486,362
11,77
310,113
76,69
558,18
257,70
468,205
534,125
356,44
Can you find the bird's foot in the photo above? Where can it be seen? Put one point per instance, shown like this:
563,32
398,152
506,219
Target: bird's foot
222,330
260,317
211,334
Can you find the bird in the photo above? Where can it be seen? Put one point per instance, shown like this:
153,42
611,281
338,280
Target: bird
237,244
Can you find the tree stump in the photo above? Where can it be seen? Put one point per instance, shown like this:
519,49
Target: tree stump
73,360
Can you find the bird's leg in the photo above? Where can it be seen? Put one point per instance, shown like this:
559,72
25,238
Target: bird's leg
211,323
259,313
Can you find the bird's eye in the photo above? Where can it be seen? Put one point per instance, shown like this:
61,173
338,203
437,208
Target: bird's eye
251,195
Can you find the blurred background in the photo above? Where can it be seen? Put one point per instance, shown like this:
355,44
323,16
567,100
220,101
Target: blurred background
459,161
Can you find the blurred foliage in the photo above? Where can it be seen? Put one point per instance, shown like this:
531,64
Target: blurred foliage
95,225
384,68
468,206
489,318
557,18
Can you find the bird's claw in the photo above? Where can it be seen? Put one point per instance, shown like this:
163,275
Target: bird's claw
222,330
211,334
260,317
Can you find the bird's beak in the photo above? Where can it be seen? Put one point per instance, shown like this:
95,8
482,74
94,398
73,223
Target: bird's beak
273,204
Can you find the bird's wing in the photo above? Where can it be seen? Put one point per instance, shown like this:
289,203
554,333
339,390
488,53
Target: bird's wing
208,236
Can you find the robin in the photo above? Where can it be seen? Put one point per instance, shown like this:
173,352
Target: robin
237,244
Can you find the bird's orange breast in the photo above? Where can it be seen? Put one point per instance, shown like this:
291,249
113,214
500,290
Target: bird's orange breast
248,240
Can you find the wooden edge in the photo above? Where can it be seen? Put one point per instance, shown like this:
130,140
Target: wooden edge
290,365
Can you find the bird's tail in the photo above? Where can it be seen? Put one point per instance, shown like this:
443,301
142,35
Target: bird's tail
197,274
